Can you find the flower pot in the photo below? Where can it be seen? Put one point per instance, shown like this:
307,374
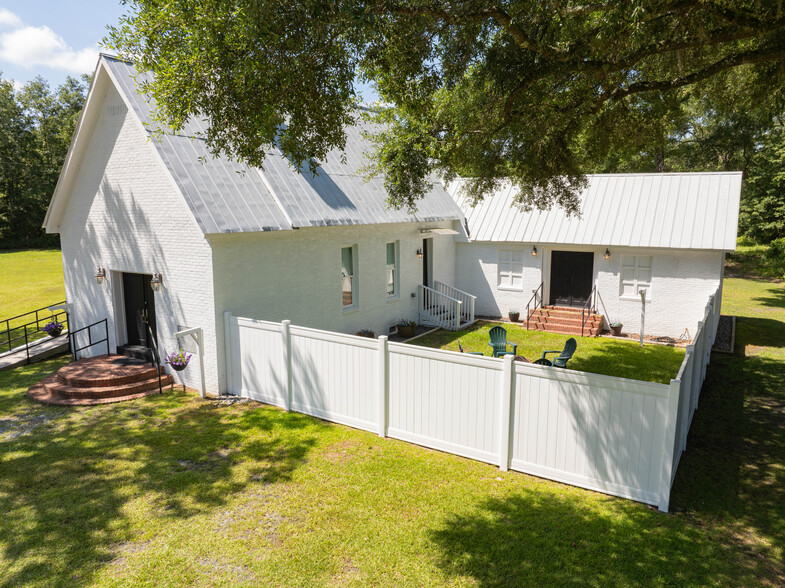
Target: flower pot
178,367
514,316
55,333
616,331
406,332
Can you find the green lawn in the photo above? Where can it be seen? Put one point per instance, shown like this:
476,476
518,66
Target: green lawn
31,279
173,490
598,355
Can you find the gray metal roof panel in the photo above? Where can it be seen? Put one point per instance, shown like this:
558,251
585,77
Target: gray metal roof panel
227,196
688,210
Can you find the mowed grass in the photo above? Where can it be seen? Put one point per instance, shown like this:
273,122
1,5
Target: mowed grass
177,491
597,355
173,490
29,279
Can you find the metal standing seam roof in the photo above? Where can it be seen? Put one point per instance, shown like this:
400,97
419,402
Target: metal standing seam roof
227,196
658,210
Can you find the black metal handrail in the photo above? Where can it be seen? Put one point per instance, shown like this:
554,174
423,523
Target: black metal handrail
589,308
537,304
72,337
9,340
156,357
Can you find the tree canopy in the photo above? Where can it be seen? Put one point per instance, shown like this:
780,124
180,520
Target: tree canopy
539,92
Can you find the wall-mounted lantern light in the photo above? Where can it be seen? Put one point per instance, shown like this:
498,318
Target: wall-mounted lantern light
419,254
607,253
534,251
100,275
156,282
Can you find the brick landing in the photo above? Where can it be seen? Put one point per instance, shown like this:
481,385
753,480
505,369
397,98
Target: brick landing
99,380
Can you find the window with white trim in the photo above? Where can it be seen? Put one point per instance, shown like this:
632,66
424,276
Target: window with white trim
510,269
635,276
393,270
348,276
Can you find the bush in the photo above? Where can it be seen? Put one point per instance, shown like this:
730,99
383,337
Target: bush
776,256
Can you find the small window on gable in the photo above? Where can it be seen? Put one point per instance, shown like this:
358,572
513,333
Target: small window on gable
510,269
392,269
635,276
348,277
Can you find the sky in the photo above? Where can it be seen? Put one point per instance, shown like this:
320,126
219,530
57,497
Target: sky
53,38
56,39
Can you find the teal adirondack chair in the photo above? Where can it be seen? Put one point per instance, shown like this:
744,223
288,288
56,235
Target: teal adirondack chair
499,342
561,361
469,352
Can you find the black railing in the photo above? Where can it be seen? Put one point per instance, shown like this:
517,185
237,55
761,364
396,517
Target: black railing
589,308
537,303
156,357
31,332
89,328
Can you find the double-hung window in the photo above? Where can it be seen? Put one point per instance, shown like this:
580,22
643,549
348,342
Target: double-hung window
349,277
510,269
635,276
393,271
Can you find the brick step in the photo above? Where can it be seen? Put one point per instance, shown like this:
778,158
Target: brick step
567,330
557,313
41,394
117,391
593,321
106,370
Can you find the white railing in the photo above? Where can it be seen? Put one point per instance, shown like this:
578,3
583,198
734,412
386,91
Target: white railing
614,435
467,300
437,309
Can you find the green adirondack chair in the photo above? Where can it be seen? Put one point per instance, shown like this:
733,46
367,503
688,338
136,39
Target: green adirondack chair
561,361
499,342
469,352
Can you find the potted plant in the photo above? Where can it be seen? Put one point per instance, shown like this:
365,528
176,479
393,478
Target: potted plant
616,329
178,361
406,328
366,333
514,315
53,328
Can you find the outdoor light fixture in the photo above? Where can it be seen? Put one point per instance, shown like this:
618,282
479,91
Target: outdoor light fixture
534,251
607,253
156,282
100,275
419,254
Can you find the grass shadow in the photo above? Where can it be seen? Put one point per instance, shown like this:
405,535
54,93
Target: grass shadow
66,490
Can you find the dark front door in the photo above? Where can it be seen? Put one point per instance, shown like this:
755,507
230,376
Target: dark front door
139,308
571,277
427,262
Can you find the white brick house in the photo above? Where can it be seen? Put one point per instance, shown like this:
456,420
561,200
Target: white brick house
325,251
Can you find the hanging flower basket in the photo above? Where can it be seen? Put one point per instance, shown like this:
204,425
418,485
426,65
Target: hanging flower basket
53,329
178,361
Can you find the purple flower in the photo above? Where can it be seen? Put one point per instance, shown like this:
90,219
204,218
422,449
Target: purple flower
180,358
53,327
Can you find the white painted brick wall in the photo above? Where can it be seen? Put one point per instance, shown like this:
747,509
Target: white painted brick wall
682,282
126,215
295,275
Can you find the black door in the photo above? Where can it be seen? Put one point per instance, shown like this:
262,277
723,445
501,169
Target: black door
139,308
427,262
571,277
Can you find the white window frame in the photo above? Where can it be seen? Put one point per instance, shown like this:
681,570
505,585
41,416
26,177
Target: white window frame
637,264
506,270
396,269
355,305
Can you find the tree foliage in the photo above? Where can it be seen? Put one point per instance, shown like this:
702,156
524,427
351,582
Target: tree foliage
530,90
36,125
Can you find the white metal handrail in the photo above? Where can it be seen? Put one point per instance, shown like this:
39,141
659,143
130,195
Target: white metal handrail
467,308
438,309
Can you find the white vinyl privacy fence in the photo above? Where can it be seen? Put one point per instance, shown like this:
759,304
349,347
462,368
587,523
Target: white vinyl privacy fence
614,435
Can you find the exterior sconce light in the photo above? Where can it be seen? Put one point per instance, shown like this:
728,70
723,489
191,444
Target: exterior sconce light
534,251
100,275
607,253
419,254
156,282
